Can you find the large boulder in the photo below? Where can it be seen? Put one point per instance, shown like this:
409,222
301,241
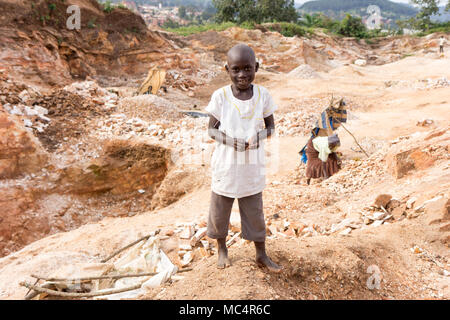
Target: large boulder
418,153
402,162
437,210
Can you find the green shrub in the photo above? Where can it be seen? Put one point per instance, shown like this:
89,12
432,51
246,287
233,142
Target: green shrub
292,29
443,27
91,23
288,29
407,55
285,28
193,29
170,24
108,7
247,25
319,20
352,27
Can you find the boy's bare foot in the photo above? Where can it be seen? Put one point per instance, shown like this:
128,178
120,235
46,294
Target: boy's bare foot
263,260
269,264
223,261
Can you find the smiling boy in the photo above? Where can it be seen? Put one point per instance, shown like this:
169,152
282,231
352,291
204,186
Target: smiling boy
241,118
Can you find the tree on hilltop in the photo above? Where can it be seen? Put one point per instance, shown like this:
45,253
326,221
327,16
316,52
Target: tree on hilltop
258,11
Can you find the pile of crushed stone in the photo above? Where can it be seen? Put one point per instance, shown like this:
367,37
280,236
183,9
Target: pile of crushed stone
304,71
149,108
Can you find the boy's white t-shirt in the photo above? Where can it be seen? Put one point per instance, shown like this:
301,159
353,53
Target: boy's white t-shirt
239,174
441,41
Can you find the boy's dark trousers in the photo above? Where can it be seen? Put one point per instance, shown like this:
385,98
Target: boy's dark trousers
252,217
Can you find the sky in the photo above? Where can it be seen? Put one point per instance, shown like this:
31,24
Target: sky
401,1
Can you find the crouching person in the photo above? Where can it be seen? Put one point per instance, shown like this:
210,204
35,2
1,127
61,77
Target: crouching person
323,161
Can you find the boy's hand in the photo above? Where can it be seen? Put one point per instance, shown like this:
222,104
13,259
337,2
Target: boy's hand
253,142
240,145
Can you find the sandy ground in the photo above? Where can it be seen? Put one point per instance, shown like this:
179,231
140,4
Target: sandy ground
320,267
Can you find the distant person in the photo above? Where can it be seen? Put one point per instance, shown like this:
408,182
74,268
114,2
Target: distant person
241,117
441,44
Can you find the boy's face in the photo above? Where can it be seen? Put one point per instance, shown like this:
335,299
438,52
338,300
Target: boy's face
242,67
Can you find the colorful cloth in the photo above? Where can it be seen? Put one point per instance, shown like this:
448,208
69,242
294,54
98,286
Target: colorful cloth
322,146
329,120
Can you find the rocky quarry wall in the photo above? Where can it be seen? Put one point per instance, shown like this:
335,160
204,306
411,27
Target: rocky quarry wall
36,44
45,187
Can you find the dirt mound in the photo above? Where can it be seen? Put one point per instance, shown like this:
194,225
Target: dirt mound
178,183
56,116
123,169
67,112
317,268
